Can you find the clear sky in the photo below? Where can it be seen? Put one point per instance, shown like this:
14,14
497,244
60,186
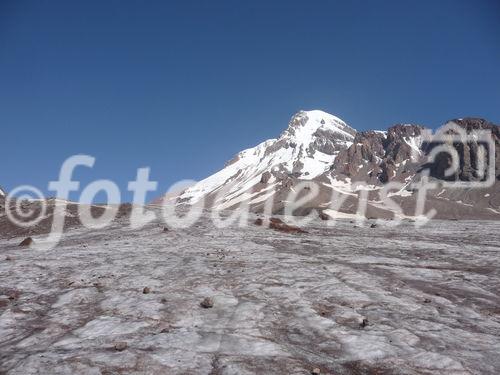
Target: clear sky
182,86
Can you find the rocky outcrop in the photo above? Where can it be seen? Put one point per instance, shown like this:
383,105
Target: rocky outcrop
266,176
381,156
280,226
470,168
367,146
403,142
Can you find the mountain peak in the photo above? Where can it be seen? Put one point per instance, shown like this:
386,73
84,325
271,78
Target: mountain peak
306,149
304,124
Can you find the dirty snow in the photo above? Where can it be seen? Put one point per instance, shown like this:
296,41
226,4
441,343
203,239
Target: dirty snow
283,304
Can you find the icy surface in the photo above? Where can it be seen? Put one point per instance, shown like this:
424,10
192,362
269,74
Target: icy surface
283,303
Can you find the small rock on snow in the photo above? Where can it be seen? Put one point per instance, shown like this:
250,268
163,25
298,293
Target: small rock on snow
121,346
207,303
363,323
26,242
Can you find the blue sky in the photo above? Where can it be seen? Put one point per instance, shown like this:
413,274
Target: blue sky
182,86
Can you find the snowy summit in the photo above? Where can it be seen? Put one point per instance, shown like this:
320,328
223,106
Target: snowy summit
306,149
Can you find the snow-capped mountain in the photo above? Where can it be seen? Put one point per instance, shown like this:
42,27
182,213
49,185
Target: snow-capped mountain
305,150
320,147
